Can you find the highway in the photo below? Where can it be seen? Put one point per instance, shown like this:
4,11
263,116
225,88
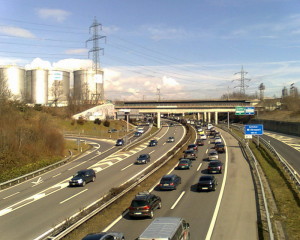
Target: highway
30,209
227,213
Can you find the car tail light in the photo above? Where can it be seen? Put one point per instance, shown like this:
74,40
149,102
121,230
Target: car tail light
146,208
131,208
172,184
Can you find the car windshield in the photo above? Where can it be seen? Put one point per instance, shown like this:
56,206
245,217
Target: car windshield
183,161
205,178
138,203
213,164
143,156
166,180
213,153
189,151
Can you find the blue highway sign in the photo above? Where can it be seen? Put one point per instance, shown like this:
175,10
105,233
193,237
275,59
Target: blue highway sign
254,129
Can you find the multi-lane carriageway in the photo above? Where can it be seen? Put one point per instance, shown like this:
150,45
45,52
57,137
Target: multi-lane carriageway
30,209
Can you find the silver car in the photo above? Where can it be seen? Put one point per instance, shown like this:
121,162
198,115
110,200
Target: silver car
213,155
105,236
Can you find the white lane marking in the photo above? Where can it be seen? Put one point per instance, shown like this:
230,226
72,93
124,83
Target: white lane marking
151,151
113,223
127,167
164,143
40,180
76,166
206,151
11,195
5,211
178,199
214,218
73,196
56,175
199,167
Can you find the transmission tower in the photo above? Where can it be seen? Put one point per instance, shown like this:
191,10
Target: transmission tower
261,89
98,74
158,94
242,80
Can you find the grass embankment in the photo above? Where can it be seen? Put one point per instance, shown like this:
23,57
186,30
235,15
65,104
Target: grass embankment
108,215
286,197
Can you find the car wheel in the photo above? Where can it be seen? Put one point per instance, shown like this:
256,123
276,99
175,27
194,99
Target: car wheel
159,206
214,188
94,178
151,214
83,183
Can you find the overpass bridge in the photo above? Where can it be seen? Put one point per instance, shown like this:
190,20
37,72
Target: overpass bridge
203,108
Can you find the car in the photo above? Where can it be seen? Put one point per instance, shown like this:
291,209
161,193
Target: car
170,139
203,136
218,140
112,130
213,155
153,143
215,166
184,163
120,142
143,158
105,236
190,154
83,177
137,134
209,126
192,147
207,182
200,142
144,204
140,130
169,182
220,148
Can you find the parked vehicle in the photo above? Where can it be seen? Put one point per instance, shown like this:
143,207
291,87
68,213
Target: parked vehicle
153,143
143,158
220,148
144,204
208,183
169,182
167,228
120,142
82,177
213,155
215,166
171,139
190,154
105,236
184,163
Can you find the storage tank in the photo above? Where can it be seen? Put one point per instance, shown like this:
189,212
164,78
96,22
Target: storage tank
15,81
58,87
87,85
37,86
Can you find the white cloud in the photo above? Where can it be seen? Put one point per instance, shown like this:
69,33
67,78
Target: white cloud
76,51
73,64
57,15
38,63
110,29
161,32
16,32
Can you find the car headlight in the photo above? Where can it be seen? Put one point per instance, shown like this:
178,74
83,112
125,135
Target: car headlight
80,181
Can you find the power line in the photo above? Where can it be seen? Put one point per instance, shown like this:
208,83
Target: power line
242,80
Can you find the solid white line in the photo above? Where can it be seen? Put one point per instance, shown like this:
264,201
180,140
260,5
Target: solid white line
214,218
56,175
127,167
181,195
151,151
206,151
199,167
11,195
76,165
73,196
112,224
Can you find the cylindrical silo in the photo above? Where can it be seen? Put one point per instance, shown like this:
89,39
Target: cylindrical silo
87,85
58,87
37,86
14,77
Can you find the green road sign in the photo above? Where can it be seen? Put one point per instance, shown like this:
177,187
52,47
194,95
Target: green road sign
239,110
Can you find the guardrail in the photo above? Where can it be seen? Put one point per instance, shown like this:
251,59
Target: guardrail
254,162
60,230
35,173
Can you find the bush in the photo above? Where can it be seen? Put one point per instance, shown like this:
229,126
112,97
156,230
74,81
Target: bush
97,121
106,123
80,121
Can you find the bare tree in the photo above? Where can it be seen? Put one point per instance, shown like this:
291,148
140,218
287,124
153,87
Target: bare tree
57,91
5,93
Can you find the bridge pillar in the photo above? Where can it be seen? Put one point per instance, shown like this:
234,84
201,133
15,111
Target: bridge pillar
209,117
216,118
205,116
158,120
198,116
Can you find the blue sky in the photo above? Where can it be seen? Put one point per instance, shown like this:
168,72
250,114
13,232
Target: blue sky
189,49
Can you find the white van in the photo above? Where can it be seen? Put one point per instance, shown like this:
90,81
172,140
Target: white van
166,228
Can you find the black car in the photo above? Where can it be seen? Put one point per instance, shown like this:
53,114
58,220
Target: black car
82,177
215,166
207,183
192,147
220,148
169,182
120,142
153,143
190,154
137,134
143,158
144,204
105,236
200,142
184,163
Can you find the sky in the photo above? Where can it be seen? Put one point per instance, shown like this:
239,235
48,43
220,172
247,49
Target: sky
172,49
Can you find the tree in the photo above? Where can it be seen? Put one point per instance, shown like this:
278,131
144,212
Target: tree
57,91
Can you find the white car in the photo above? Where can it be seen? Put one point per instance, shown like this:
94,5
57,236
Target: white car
213,155
203,136
218,140
209,126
